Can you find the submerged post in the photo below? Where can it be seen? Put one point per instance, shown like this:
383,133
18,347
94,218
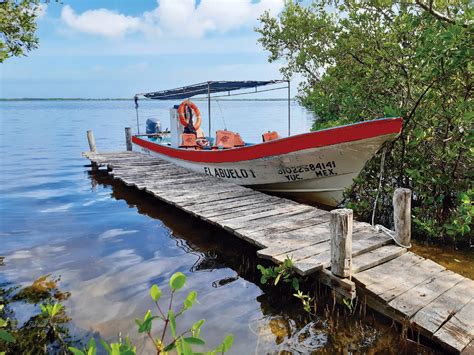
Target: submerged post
402,216
91,140
340,225
128,138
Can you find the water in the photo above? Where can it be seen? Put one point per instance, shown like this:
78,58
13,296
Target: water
110,243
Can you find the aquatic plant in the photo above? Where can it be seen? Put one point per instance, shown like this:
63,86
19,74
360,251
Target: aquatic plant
362,60
182,343
42,333
284,272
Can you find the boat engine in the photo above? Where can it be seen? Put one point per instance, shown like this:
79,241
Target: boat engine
153,126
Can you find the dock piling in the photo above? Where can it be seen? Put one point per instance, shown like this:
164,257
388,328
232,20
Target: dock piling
340,226
128,138
91,140
402,215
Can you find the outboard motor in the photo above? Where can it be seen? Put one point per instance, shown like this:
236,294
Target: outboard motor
153,126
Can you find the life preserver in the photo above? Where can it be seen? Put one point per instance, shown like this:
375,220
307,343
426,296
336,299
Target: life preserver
182,116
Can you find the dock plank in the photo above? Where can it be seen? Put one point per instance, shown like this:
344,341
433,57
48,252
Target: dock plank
432,316
422,294
458,332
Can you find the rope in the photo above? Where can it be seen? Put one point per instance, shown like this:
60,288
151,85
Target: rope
382,164
222,114
379,227
390,233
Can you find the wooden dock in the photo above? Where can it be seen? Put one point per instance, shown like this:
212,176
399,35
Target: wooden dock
412,290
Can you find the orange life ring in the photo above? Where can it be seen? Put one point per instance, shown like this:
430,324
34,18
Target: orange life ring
197,114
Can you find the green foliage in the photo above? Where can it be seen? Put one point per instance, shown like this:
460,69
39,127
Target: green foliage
4,335
182,343
349,305
367,59
306,300
284,272
42,333
18,27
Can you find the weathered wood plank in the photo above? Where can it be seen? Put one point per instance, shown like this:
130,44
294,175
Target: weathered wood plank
405,279
362,243
376,257
434,314
419,296
458,332
382,273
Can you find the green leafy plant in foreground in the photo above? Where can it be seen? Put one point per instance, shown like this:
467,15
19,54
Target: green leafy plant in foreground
181,342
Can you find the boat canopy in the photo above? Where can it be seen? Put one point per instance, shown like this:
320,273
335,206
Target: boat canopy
207,88
211,87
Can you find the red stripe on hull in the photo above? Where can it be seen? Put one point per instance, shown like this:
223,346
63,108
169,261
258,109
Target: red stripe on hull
287,145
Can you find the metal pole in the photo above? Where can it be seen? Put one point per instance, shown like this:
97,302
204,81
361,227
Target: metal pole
289,110
209,105
136,110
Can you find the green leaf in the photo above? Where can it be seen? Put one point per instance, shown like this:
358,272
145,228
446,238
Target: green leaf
198,324
194,341
170,347
76,351
3,323
105,346
92,348
187,350
146,325
155,293
189,301
56,309
227,342
277,279
172,323
295,283
6,336
177,281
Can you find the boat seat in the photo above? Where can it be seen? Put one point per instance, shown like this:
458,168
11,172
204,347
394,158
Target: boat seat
270,136
224,139
188,140
238,141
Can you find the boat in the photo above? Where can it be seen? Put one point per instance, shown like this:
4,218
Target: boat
316,166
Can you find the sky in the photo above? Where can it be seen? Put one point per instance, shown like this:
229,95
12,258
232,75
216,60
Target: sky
105,49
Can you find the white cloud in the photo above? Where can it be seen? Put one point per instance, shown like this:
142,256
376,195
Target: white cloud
177,18
102,22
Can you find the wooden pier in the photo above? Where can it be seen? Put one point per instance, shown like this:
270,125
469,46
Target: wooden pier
436,302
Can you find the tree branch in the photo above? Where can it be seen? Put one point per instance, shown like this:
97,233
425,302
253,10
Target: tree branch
438,15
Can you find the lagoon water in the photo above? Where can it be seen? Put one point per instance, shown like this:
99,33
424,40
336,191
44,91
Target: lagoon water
110,243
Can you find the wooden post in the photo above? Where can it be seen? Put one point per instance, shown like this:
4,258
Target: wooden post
402,215
341,241
91,140
128,138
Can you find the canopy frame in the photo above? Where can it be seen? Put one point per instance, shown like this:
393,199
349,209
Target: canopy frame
212,87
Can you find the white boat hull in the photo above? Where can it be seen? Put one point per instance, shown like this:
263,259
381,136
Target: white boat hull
319,174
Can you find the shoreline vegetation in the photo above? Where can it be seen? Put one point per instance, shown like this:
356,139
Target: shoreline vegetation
391,59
